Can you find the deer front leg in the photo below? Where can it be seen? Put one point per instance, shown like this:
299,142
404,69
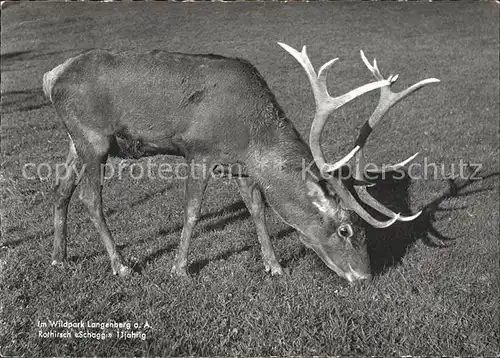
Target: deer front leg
193,193
253,200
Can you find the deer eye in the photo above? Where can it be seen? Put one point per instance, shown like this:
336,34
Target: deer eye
345,231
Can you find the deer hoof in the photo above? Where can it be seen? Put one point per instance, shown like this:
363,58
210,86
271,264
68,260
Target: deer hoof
57,263
122,270
275,269
179,272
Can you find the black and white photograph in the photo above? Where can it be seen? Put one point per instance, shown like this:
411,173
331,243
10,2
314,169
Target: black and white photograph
249,178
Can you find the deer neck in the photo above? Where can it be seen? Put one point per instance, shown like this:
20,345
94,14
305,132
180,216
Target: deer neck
281,172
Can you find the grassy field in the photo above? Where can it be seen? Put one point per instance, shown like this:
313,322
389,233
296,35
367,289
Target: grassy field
436,286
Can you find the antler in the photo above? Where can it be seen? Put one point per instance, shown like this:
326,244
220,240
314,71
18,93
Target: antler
388,98
325,105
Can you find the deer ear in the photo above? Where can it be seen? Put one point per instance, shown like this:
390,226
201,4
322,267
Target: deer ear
319,198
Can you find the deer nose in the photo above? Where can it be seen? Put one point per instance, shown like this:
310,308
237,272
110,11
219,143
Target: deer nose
353,275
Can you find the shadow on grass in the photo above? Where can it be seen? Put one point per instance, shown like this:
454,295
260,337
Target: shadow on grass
140,265
227,215
21,101
13,56
231,213
16,57
197,266
388,246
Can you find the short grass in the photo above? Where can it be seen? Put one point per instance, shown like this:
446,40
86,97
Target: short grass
436,288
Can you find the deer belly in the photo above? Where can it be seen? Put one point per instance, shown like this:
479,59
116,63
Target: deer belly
128,147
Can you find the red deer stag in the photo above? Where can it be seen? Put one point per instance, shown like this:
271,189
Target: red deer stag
218,111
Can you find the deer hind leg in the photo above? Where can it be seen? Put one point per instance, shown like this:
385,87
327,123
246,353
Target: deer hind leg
91,196
253,200
65,186
194,189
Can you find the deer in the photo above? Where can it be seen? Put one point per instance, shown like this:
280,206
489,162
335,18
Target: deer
218,111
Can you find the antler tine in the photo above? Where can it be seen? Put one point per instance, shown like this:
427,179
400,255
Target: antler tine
303,59
325,105
388,98
373,68
394,167
375,204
